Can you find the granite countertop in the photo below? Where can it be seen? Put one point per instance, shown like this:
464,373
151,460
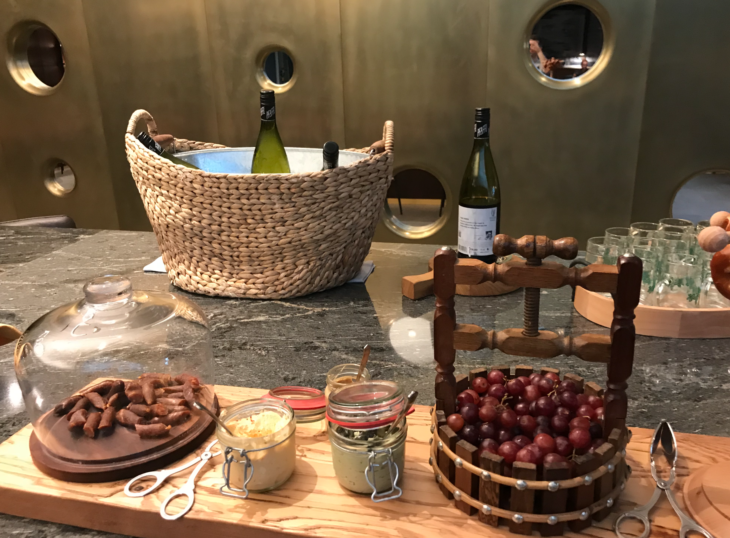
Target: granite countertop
295,342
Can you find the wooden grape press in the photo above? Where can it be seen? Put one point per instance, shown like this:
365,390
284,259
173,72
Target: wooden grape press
555,497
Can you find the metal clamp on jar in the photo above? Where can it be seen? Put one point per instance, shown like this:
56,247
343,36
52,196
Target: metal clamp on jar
367,454
262,453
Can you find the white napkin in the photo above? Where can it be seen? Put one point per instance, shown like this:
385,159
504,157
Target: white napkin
367,268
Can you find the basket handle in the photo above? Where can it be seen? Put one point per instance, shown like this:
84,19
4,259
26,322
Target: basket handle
388,136
142,114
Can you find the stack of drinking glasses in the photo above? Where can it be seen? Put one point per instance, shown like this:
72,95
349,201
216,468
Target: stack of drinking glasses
676,269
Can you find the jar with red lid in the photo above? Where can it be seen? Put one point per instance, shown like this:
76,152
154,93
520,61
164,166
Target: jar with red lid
367,455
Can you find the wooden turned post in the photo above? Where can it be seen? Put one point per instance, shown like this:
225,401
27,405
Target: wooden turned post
534,248
623,335
444,322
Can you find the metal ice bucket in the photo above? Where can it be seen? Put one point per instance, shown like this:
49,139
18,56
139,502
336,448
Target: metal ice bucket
238,160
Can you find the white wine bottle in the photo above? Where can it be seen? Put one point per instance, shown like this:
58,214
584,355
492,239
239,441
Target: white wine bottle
269,157
148,142
479,197
330,155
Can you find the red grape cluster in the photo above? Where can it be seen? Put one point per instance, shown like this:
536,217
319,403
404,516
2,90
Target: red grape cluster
536,419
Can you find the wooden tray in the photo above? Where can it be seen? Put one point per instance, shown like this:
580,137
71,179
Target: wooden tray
312,503
699,505
657,321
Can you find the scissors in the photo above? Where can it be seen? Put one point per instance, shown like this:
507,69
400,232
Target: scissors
664,436
187,490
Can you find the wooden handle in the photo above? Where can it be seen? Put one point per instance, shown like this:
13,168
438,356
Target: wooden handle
536,246
8,334
417,286
589,347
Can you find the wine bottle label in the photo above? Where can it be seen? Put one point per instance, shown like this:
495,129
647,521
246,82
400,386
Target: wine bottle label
268,112
477,228
481,130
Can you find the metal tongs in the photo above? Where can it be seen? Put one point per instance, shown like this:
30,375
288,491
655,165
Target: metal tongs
664,436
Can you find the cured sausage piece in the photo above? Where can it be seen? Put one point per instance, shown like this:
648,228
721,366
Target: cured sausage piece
66,405
172,402
173,419
78,419
96,400
148,391
166,379
92,424
107,418
156,410
183,378
117,387
150,431
189,394
176,408
99,388
126,418
118,400
83,403
172,390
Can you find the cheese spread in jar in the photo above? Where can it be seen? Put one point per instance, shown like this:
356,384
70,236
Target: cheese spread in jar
262,453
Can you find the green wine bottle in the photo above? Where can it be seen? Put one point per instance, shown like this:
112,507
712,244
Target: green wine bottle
269,157
479,198
330,155
148,142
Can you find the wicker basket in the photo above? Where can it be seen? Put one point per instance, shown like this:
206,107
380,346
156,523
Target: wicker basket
260,236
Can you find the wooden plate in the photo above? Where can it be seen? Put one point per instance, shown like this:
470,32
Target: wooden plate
657,321
716,487
699,506
121,454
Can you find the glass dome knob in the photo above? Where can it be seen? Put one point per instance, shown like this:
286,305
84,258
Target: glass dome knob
107,289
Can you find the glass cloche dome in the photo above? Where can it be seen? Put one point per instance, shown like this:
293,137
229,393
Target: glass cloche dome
113,333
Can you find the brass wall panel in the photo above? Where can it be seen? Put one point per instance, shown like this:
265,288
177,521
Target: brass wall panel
422,64
687,113
567,158
7,207
151,55
310,112
64,125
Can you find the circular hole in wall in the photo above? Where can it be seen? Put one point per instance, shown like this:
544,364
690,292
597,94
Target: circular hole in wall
567,45
35,58
702,195
278,67
60,179
417,204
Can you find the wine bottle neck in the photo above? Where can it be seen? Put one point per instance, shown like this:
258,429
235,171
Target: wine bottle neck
268,125
481,142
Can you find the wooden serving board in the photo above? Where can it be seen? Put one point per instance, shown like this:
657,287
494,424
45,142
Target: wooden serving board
699,506
657,321
312,503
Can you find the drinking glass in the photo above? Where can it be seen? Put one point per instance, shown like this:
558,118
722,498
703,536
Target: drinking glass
701,225
678,223
681,282
649,260
616,243
644,229
595,249
709,296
